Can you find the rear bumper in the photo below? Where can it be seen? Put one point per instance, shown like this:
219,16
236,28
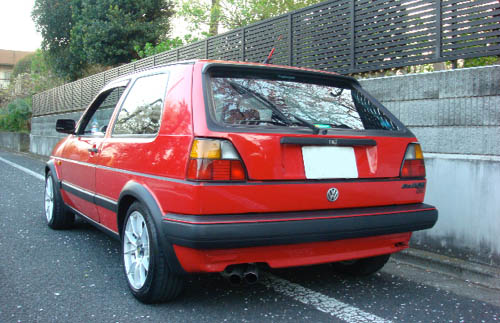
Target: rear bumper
270,229
301,254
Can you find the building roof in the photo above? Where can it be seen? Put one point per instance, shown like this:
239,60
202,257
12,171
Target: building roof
11,57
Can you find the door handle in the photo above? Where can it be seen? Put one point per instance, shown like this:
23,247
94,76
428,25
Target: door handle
93,150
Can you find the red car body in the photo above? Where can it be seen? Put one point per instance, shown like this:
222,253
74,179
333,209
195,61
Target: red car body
275,215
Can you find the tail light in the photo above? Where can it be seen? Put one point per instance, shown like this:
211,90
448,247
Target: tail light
413,162
215,160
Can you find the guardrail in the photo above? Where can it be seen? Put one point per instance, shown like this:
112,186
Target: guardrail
344,36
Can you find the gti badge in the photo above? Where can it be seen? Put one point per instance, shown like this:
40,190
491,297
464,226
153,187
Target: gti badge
332,195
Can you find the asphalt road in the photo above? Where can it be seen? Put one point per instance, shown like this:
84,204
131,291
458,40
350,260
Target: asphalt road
76,276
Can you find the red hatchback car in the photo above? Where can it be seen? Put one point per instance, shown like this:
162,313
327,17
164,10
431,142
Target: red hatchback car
210,166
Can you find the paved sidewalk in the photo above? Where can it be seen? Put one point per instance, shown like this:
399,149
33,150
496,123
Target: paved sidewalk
480,274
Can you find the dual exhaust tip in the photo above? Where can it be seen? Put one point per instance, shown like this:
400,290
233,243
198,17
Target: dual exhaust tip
236,274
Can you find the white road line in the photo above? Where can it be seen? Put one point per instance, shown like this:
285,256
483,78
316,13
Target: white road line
321,302
304,295
27,171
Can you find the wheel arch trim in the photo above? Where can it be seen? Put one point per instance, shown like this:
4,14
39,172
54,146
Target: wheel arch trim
134,191
50,166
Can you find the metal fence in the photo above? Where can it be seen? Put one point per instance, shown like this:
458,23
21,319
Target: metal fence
344,36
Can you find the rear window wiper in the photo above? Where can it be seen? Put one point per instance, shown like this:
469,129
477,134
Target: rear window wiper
306,123
280,115
258,121
332,126
244,90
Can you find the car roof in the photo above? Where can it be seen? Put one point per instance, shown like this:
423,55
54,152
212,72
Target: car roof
164,67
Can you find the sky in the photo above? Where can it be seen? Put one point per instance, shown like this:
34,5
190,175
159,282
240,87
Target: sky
17,30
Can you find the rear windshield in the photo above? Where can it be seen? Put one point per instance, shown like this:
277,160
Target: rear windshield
285,101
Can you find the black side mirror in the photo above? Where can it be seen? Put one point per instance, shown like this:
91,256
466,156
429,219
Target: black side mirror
65,126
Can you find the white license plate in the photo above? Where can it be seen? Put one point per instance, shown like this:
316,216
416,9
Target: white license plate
329,162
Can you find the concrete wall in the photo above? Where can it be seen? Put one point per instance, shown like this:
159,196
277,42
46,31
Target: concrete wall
449,111
456,116
43,135
15,141
466,190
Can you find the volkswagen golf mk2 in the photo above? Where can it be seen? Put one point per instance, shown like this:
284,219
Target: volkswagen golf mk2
210,166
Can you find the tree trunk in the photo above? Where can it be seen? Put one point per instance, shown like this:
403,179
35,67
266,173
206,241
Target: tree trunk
214,18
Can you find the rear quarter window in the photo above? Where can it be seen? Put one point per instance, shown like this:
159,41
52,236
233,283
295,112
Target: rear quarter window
96,120
141,111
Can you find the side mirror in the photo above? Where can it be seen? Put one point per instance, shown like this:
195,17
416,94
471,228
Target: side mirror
65,126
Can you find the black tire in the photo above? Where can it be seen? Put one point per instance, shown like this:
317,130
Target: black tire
361,267
160,284
59,217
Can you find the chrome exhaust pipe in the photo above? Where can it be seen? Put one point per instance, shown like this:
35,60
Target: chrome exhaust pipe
251,274
234,274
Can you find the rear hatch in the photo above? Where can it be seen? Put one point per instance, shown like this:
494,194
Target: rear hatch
290,124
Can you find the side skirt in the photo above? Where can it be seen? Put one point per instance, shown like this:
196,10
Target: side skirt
99,226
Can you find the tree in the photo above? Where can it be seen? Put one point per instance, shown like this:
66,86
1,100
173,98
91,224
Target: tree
42,76
16,116
78,34
230,14
54,20
108,30
165,45
213,24
31,75
23,66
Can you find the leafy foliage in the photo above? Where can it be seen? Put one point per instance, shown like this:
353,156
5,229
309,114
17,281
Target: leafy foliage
33,75
108,30
166,45
82,33
481,61
54,19
16,116
42,76
231,14
23,66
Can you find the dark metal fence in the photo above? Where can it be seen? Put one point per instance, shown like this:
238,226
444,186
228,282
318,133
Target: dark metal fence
344,36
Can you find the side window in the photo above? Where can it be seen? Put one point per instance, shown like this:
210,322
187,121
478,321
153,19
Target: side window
95,123
141,112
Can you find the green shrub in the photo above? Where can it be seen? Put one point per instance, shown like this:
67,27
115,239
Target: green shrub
23,65
480,61
166,45
16,116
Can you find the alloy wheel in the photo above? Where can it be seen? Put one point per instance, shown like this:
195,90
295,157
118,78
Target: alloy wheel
49,198
136,250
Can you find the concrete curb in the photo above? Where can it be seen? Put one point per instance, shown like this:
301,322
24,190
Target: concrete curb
34,156
480,274
26,154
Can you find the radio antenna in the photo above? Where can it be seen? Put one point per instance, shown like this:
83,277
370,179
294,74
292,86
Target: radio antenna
268,58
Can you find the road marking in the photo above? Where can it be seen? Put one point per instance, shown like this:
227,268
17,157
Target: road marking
27,171
304,295
321,302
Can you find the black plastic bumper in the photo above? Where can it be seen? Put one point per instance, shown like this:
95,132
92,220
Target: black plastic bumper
248,230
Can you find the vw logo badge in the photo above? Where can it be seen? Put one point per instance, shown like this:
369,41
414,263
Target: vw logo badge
332,195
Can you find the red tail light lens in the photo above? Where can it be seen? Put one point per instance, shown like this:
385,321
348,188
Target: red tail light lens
413,162
215,160
413,168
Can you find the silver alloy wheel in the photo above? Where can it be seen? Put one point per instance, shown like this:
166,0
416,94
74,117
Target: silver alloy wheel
136,250
49,198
